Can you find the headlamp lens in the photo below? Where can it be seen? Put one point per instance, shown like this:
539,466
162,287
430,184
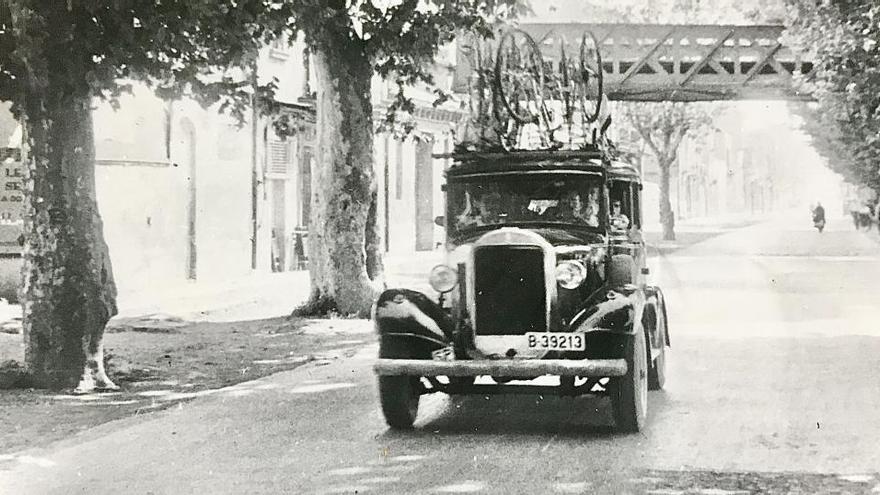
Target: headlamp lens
570,274
443,278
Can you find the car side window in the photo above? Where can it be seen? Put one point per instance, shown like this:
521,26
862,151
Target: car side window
620,211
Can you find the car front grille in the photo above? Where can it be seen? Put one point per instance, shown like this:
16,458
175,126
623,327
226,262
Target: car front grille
509,290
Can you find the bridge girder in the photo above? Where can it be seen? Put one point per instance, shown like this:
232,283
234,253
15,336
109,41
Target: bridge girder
655,62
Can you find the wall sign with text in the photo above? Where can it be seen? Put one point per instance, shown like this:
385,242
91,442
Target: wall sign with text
11,192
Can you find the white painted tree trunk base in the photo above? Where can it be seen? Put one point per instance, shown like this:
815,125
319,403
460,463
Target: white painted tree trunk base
94,378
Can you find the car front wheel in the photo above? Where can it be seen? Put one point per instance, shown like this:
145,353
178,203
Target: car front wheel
400,400
398,394
629,393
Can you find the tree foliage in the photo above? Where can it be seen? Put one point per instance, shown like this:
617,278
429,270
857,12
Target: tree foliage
843,37
195,47
663,125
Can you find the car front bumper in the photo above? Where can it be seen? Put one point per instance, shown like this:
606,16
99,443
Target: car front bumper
521,368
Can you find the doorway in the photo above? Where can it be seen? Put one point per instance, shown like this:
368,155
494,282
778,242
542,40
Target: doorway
424,197
279,231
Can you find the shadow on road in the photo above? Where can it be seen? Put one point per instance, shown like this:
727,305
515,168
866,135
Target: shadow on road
563,417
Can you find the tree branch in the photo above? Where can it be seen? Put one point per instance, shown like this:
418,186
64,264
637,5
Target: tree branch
676,142
645,134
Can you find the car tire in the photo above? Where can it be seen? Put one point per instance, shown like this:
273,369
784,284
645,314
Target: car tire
398,395
621,270
400,400
629,393
657,369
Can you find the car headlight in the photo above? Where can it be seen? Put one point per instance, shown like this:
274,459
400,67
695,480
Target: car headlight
443,278
570,274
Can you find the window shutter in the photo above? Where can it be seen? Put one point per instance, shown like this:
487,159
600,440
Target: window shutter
279,157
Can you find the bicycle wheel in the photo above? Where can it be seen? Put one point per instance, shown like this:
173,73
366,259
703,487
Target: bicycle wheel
519,77
591,70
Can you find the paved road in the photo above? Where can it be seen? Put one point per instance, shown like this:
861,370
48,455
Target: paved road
773,388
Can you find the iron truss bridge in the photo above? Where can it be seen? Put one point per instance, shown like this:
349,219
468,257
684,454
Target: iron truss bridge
654,62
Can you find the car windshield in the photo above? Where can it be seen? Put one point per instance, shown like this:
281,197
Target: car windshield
570,200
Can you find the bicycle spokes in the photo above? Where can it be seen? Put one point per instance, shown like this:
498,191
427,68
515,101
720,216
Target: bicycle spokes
537,95
591,78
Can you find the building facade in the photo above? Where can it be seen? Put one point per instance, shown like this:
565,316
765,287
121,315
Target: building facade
751,163
190,194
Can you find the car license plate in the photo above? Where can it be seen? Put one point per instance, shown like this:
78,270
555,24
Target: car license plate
556,341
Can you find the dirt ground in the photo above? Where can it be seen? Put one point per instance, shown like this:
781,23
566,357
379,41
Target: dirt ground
160,361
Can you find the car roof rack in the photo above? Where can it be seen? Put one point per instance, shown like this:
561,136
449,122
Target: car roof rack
523,156
617,168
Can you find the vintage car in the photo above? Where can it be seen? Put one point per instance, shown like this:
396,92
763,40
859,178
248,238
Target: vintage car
544,275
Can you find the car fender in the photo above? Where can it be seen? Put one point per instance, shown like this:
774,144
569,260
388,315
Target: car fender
615,314
610,323
655,295
410,315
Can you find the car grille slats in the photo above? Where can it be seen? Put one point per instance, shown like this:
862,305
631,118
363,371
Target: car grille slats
509,288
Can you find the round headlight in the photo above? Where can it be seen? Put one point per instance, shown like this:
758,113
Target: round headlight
443,278
570,274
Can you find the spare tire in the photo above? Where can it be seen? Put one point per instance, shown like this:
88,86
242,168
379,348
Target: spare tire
621,270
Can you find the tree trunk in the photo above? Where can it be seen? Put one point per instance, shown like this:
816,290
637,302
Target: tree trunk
667,216
69,293
343,183
375,268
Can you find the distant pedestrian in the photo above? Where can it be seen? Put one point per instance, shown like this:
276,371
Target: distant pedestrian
865,216
819,217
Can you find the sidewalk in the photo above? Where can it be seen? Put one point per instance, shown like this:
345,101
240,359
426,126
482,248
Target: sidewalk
692,231
722,222
257,296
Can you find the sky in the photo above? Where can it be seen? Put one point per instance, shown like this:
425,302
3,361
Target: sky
660,11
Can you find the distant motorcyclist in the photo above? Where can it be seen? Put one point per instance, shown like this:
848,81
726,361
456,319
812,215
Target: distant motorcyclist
819,217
